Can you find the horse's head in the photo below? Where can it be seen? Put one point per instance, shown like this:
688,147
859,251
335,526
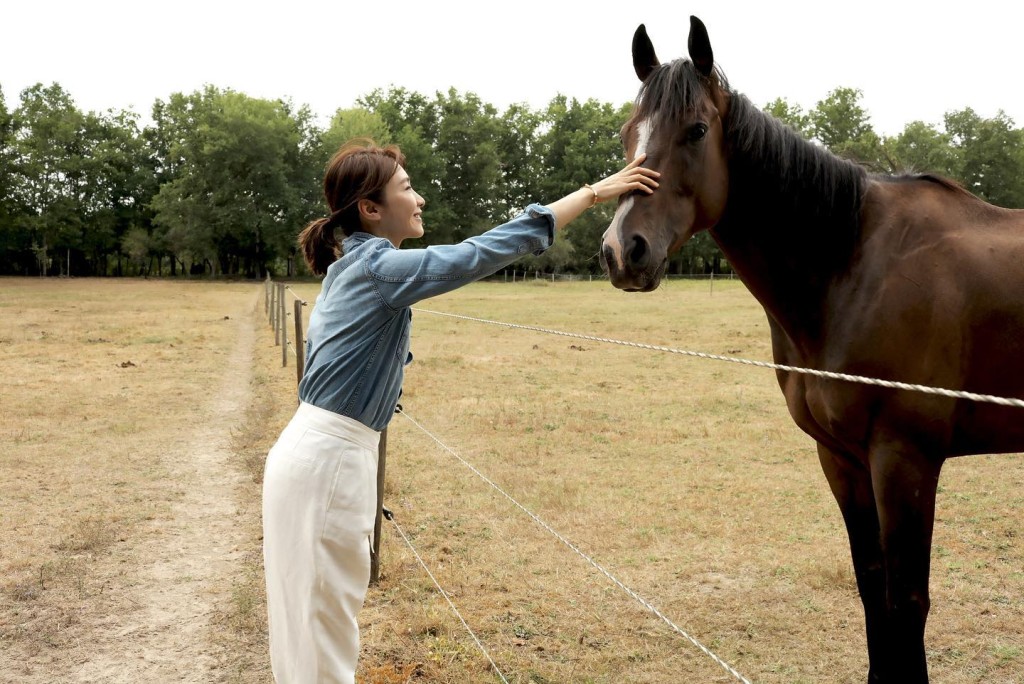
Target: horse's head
677,122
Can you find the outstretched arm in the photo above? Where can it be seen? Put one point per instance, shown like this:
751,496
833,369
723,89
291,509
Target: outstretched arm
631,178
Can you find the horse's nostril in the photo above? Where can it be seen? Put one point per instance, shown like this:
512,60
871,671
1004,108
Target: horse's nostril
638,250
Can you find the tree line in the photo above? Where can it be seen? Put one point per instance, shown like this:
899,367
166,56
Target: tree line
220,183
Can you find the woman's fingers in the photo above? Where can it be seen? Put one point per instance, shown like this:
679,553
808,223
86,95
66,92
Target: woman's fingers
630,178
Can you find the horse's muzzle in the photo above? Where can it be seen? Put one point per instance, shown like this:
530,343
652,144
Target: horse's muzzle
637,274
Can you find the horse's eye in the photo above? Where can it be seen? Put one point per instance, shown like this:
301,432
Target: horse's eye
698,131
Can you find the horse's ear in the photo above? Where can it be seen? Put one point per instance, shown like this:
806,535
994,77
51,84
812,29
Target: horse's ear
644,59
699,46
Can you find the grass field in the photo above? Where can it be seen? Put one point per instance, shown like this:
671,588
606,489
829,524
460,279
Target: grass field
684,478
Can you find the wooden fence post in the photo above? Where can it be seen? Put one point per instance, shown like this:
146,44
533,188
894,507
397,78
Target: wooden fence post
273,313
281,322
382,457
300,346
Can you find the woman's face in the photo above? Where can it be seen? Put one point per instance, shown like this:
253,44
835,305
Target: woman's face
401,214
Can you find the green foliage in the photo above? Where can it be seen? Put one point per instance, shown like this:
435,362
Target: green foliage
467,140
49,147
841,124
790,114
11,239
354,123
922,148
222,182
232,165
414,122
991,156
581,144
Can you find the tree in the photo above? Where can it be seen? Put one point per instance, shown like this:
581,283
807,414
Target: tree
991,155
119,183
306,164
414,123
225,181
181,213
843,126
79,181
467,141
581,145
922,148
520,160
231,202
49,151
347,124
792,115
15,253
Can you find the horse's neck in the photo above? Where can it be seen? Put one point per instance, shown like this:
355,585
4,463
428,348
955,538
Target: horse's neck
791,221
777,273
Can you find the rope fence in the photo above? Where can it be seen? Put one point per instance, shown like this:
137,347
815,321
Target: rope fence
891,384
533,516
277,313
447,598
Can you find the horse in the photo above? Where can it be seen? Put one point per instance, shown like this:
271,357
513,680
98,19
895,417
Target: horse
904,277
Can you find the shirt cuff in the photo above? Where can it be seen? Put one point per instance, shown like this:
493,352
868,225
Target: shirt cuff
538,211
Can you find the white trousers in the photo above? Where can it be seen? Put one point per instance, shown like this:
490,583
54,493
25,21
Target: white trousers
319,506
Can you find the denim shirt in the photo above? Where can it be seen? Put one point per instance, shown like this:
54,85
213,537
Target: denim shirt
357,345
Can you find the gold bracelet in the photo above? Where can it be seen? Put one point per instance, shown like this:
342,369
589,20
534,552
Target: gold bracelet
587,186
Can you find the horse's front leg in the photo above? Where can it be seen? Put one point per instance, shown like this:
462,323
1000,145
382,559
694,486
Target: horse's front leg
850,482
905,481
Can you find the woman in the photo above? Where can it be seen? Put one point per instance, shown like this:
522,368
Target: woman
319,487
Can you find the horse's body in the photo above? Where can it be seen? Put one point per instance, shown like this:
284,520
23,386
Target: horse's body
904,278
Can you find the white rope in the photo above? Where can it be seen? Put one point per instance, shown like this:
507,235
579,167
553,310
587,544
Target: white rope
955,394
646,604
289,288
448,599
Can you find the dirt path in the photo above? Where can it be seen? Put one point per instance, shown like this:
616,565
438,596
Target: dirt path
194,552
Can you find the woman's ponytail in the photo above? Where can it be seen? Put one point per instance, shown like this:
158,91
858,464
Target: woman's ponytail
319,247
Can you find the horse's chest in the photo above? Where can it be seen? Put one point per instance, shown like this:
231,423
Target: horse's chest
832,412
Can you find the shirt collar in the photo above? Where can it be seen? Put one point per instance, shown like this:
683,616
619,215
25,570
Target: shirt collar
354,240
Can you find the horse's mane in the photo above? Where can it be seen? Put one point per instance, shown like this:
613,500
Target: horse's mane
947,183
770,165
780,181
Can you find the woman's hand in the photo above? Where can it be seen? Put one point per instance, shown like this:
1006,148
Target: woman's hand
631,178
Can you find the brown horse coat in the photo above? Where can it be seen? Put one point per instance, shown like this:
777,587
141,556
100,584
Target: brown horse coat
900,278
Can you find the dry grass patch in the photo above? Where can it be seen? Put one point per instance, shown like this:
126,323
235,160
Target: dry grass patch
243,620
685,478
105,384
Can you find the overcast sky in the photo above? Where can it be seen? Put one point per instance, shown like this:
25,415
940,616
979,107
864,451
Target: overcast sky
912,60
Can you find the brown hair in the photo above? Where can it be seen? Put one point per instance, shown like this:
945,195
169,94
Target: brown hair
359,170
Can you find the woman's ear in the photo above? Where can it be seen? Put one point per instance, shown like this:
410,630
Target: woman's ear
368,210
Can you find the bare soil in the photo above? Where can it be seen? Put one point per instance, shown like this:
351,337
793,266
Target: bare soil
192,554
123,547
